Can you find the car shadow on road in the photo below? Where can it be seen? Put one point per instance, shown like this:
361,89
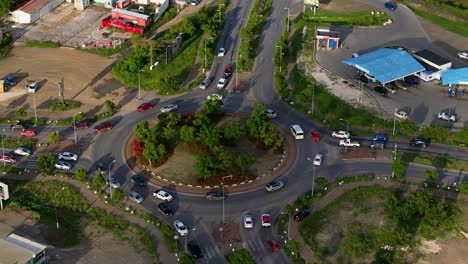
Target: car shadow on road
419,113
18,101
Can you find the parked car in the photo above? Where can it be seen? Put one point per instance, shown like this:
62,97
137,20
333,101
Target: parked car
136,197
392,5
380,137
271,113
362,78
7,159
446,116
205,83
195,249
221,83
348,143
274,186
62,165
300,215
248,221
411,81
390,88
82,124
318,160
214,96
377,144
32,87
266,221
102,168
139,180
68,156
113,182
194,2
22,151
169,108
10,81
19,126
315,136
401,115
418,142
163,195
340,134
274,245
144,107
215,195
28,133
400,85
463,55
165,209
228,71
103,127
221,52
380,90
180,228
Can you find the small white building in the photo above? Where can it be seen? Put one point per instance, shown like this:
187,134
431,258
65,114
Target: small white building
433,64
20,250
33,10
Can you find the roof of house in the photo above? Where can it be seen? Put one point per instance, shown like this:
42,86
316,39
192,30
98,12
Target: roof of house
455,76
33,5
386,65
130,13
17,249
332,34
432,57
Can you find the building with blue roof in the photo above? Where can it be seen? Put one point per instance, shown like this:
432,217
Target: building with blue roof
455,76
386,65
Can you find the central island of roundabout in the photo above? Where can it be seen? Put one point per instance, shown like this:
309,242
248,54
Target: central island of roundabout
198,152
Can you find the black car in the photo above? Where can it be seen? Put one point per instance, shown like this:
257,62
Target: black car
377,144
411,81
300,215
194,249
418,142
102,168
19,126
139,180
215,195
380,90
165,209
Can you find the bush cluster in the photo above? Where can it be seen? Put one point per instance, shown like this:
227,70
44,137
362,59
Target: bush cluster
64,106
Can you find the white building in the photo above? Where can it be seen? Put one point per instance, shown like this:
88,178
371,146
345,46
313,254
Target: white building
33,10
20,250
433,63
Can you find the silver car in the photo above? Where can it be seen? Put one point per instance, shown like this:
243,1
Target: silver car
62,165
113,182
68,156
22,152
136,197
205,83
169,108
274,186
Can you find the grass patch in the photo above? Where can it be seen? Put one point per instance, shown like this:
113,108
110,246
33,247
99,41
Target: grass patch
40,44
360,18
14,142
436,161
8,169
5,47
106,52
64,106
168,15
458,27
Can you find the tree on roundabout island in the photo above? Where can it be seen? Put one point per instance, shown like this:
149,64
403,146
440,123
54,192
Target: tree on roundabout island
207,138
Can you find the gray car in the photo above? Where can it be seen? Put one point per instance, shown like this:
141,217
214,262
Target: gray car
274,186
205,83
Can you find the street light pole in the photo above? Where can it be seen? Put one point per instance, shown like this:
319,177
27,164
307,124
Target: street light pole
288,18
109,178
220,13
313,178
3,149
394,122
281,55
74,128
313,99
56,213
205,56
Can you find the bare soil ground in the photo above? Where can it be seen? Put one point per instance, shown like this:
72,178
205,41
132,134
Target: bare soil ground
230,233
87,79
344,6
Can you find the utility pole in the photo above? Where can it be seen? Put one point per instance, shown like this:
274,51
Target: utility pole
139,85
109,178
3,149
287,8
61,88
74,128
281,55
313,177
394,122
35,109
56,213
313,99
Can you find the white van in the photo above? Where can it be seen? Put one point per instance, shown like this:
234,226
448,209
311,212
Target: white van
297,131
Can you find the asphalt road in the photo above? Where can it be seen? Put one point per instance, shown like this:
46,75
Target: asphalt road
197,212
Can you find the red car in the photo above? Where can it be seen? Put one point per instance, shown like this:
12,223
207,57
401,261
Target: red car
28,133
275,247
7,159
315,136
144,107
82,124
103,127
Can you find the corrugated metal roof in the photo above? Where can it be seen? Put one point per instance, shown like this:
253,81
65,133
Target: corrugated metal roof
455,76
386,65
25,243
129,13
33,5
432,57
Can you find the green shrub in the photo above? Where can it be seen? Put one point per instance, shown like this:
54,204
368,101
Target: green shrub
463,187
240,257
5,47
110,106
14,142
9,169
46,163
41,44
81,174
55,137
106,52
20,113
64,106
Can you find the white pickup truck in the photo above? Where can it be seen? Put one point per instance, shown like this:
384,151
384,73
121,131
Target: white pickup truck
348,143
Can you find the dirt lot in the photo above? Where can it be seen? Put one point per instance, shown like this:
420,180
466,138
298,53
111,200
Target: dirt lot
87,78
344,6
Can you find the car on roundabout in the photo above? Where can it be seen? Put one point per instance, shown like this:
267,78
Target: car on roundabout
82,125
165,209
340,134
274,186
140,181
274,245
248,221
144,107
266,220
318,159
392,5
169,108
134,196
194,249
215,195
315,136
163,195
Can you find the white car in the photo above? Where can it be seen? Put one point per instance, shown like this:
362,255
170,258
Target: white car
22,151
221,52
248,221
62,165
32,87
463,55
169,108
266,220
181,228
270,113
221,83
113,182
163,195
446,117
340,134
136,197
68,156
318,159
401,115
214,97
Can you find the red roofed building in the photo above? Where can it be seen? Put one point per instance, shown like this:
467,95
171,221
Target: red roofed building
33,10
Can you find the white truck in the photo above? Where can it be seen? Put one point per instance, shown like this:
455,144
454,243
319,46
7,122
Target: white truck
348,143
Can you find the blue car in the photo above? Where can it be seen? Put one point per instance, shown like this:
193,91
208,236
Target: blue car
9,80
139,180
392,5
380,138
